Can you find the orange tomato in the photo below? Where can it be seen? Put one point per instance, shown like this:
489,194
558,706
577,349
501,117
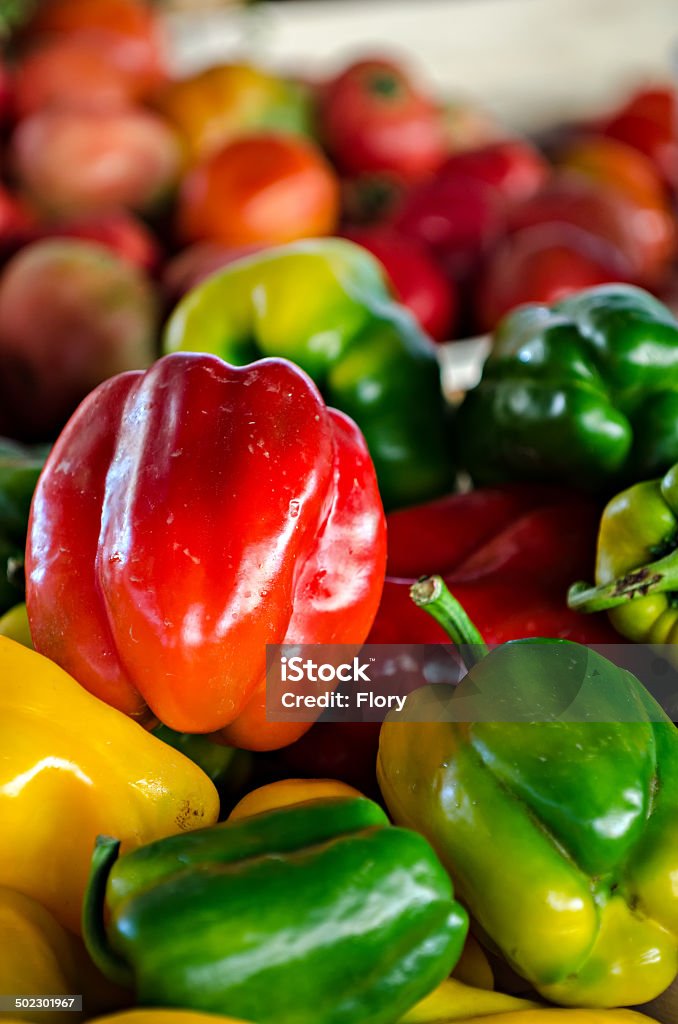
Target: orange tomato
259,189
623,170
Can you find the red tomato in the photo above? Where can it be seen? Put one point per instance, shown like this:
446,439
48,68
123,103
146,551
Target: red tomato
120,231
72,314
458,217
257,189
372,118
76,162
513,166
614,166
649,122
570,199
417,280
545,263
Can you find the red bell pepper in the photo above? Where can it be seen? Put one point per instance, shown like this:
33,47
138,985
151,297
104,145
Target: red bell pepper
188,516
508,553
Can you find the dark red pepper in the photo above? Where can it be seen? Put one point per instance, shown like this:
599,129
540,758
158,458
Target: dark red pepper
508,553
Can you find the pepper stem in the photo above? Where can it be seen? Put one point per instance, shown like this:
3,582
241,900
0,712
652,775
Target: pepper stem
431,594
93,929
655,578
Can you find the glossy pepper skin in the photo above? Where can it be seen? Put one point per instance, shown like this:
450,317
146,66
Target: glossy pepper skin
73,767
187,517
40,957
325,305
289,792
472,972
583,393
508,553
455,1001
637,563
316,913
561,833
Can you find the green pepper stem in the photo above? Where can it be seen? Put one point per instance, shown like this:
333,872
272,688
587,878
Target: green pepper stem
655,578
93,929
431,594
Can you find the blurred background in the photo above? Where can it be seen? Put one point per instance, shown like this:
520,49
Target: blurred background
527,61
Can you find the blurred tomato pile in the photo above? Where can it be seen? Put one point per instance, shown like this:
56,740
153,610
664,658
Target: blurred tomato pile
122,187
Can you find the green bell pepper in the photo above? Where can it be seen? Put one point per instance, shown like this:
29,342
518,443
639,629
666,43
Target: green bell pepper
558,820
19,471
316,913
583,393
637,563
324,304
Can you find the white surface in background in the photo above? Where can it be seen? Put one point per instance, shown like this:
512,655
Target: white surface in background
528,61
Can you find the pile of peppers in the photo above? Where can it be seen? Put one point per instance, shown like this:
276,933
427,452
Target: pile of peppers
284,474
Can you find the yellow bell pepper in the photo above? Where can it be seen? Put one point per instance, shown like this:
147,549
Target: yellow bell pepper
549,1015
73,768
163,1016
40,957
454,1001
451,1001
287,792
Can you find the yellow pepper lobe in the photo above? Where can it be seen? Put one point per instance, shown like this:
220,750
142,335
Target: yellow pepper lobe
287,792
73,768
40,957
